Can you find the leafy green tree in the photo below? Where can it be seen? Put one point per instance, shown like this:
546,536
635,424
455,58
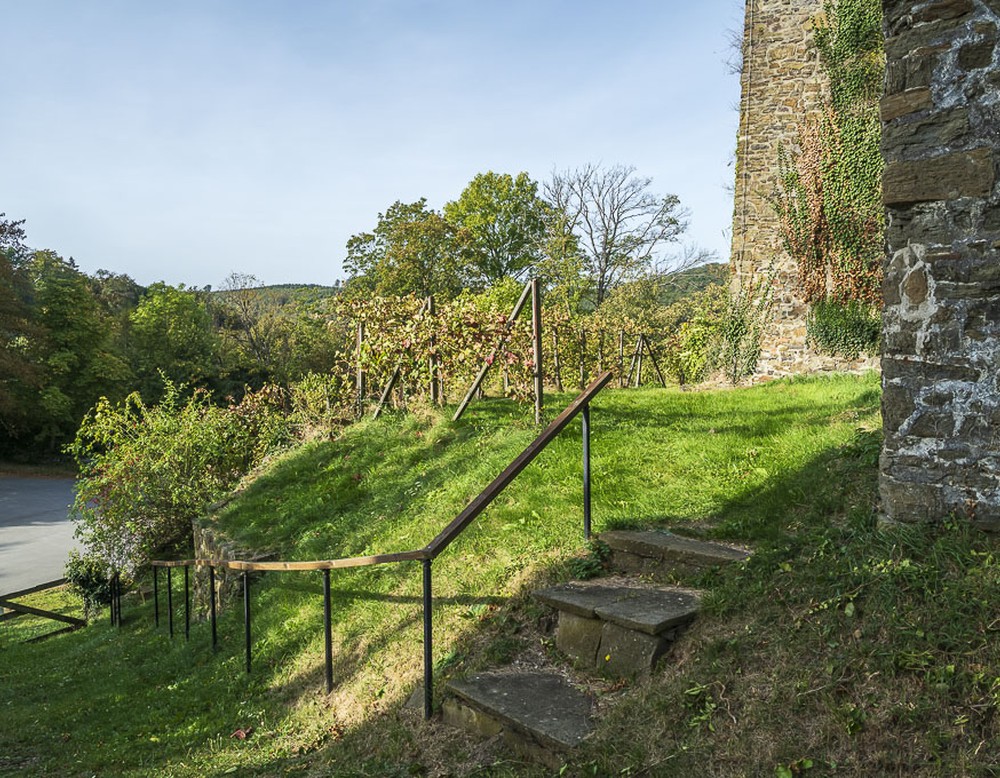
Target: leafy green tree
412,250
505,224
19,377
620,225
172,336
73,350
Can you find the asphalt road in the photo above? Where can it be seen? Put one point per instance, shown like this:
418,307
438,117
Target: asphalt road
36,533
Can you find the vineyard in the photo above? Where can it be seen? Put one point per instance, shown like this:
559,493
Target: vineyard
408,348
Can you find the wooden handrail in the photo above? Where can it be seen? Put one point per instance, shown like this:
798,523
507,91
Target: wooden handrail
448,534
316,564
478,505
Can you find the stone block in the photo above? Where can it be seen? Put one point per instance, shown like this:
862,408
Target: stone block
458,714
625,653
578,637
946,177
943,9
909,101
978,54
532,708
929,133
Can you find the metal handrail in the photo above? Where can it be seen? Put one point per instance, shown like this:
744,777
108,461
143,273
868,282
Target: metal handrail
424,555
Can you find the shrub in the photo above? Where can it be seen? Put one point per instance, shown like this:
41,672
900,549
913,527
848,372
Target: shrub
846,329
147,471
88,576
693,324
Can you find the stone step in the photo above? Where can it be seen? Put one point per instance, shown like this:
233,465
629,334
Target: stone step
659,551
539,714
617,625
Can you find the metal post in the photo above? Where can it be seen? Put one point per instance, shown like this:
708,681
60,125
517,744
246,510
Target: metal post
187,605
170,602
156,596
327,631
536,339
211,604
586,471
118,599
428,652
111,588
246,614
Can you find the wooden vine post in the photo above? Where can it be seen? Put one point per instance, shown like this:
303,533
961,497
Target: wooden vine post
621,359
536,340
434,364
360,378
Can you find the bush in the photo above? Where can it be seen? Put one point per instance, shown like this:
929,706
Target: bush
88,576
693,325
147,471
845,329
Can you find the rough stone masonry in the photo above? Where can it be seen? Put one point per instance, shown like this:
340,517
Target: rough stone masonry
781,83
941,330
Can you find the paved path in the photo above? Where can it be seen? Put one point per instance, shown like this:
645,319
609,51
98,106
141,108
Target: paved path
35,531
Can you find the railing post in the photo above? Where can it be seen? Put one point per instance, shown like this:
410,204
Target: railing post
327,631
536,340
170,601
246,615
211,604
156,596
428,647
187,605
586,471
111,589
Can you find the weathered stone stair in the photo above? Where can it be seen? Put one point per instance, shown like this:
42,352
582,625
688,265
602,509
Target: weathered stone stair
618,625
659,552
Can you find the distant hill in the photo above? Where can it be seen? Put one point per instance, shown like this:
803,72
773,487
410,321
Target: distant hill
694,279
286,294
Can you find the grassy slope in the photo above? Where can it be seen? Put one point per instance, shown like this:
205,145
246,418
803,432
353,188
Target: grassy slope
823,648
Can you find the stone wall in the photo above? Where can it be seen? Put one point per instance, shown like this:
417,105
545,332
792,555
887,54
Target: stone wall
941,336
210,544
781,83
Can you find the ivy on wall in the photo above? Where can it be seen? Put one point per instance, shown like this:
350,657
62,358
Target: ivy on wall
829,195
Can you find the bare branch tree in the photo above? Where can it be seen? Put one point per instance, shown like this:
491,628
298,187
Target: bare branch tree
620,224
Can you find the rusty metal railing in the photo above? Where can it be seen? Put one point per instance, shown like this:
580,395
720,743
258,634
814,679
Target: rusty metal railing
425,555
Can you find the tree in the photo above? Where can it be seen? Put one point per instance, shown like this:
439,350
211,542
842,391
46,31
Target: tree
505,226
412,250
18,376
172,335
73,349
620,224
254,323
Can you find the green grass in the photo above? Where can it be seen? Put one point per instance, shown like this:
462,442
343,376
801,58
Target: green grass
776,673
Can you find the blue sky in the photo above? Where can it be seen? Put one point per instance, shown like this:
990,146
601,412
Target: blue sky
182,141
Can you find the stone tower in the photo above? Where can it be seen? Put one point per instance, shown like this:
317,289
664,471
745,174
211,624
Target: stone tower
781,83
941,324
